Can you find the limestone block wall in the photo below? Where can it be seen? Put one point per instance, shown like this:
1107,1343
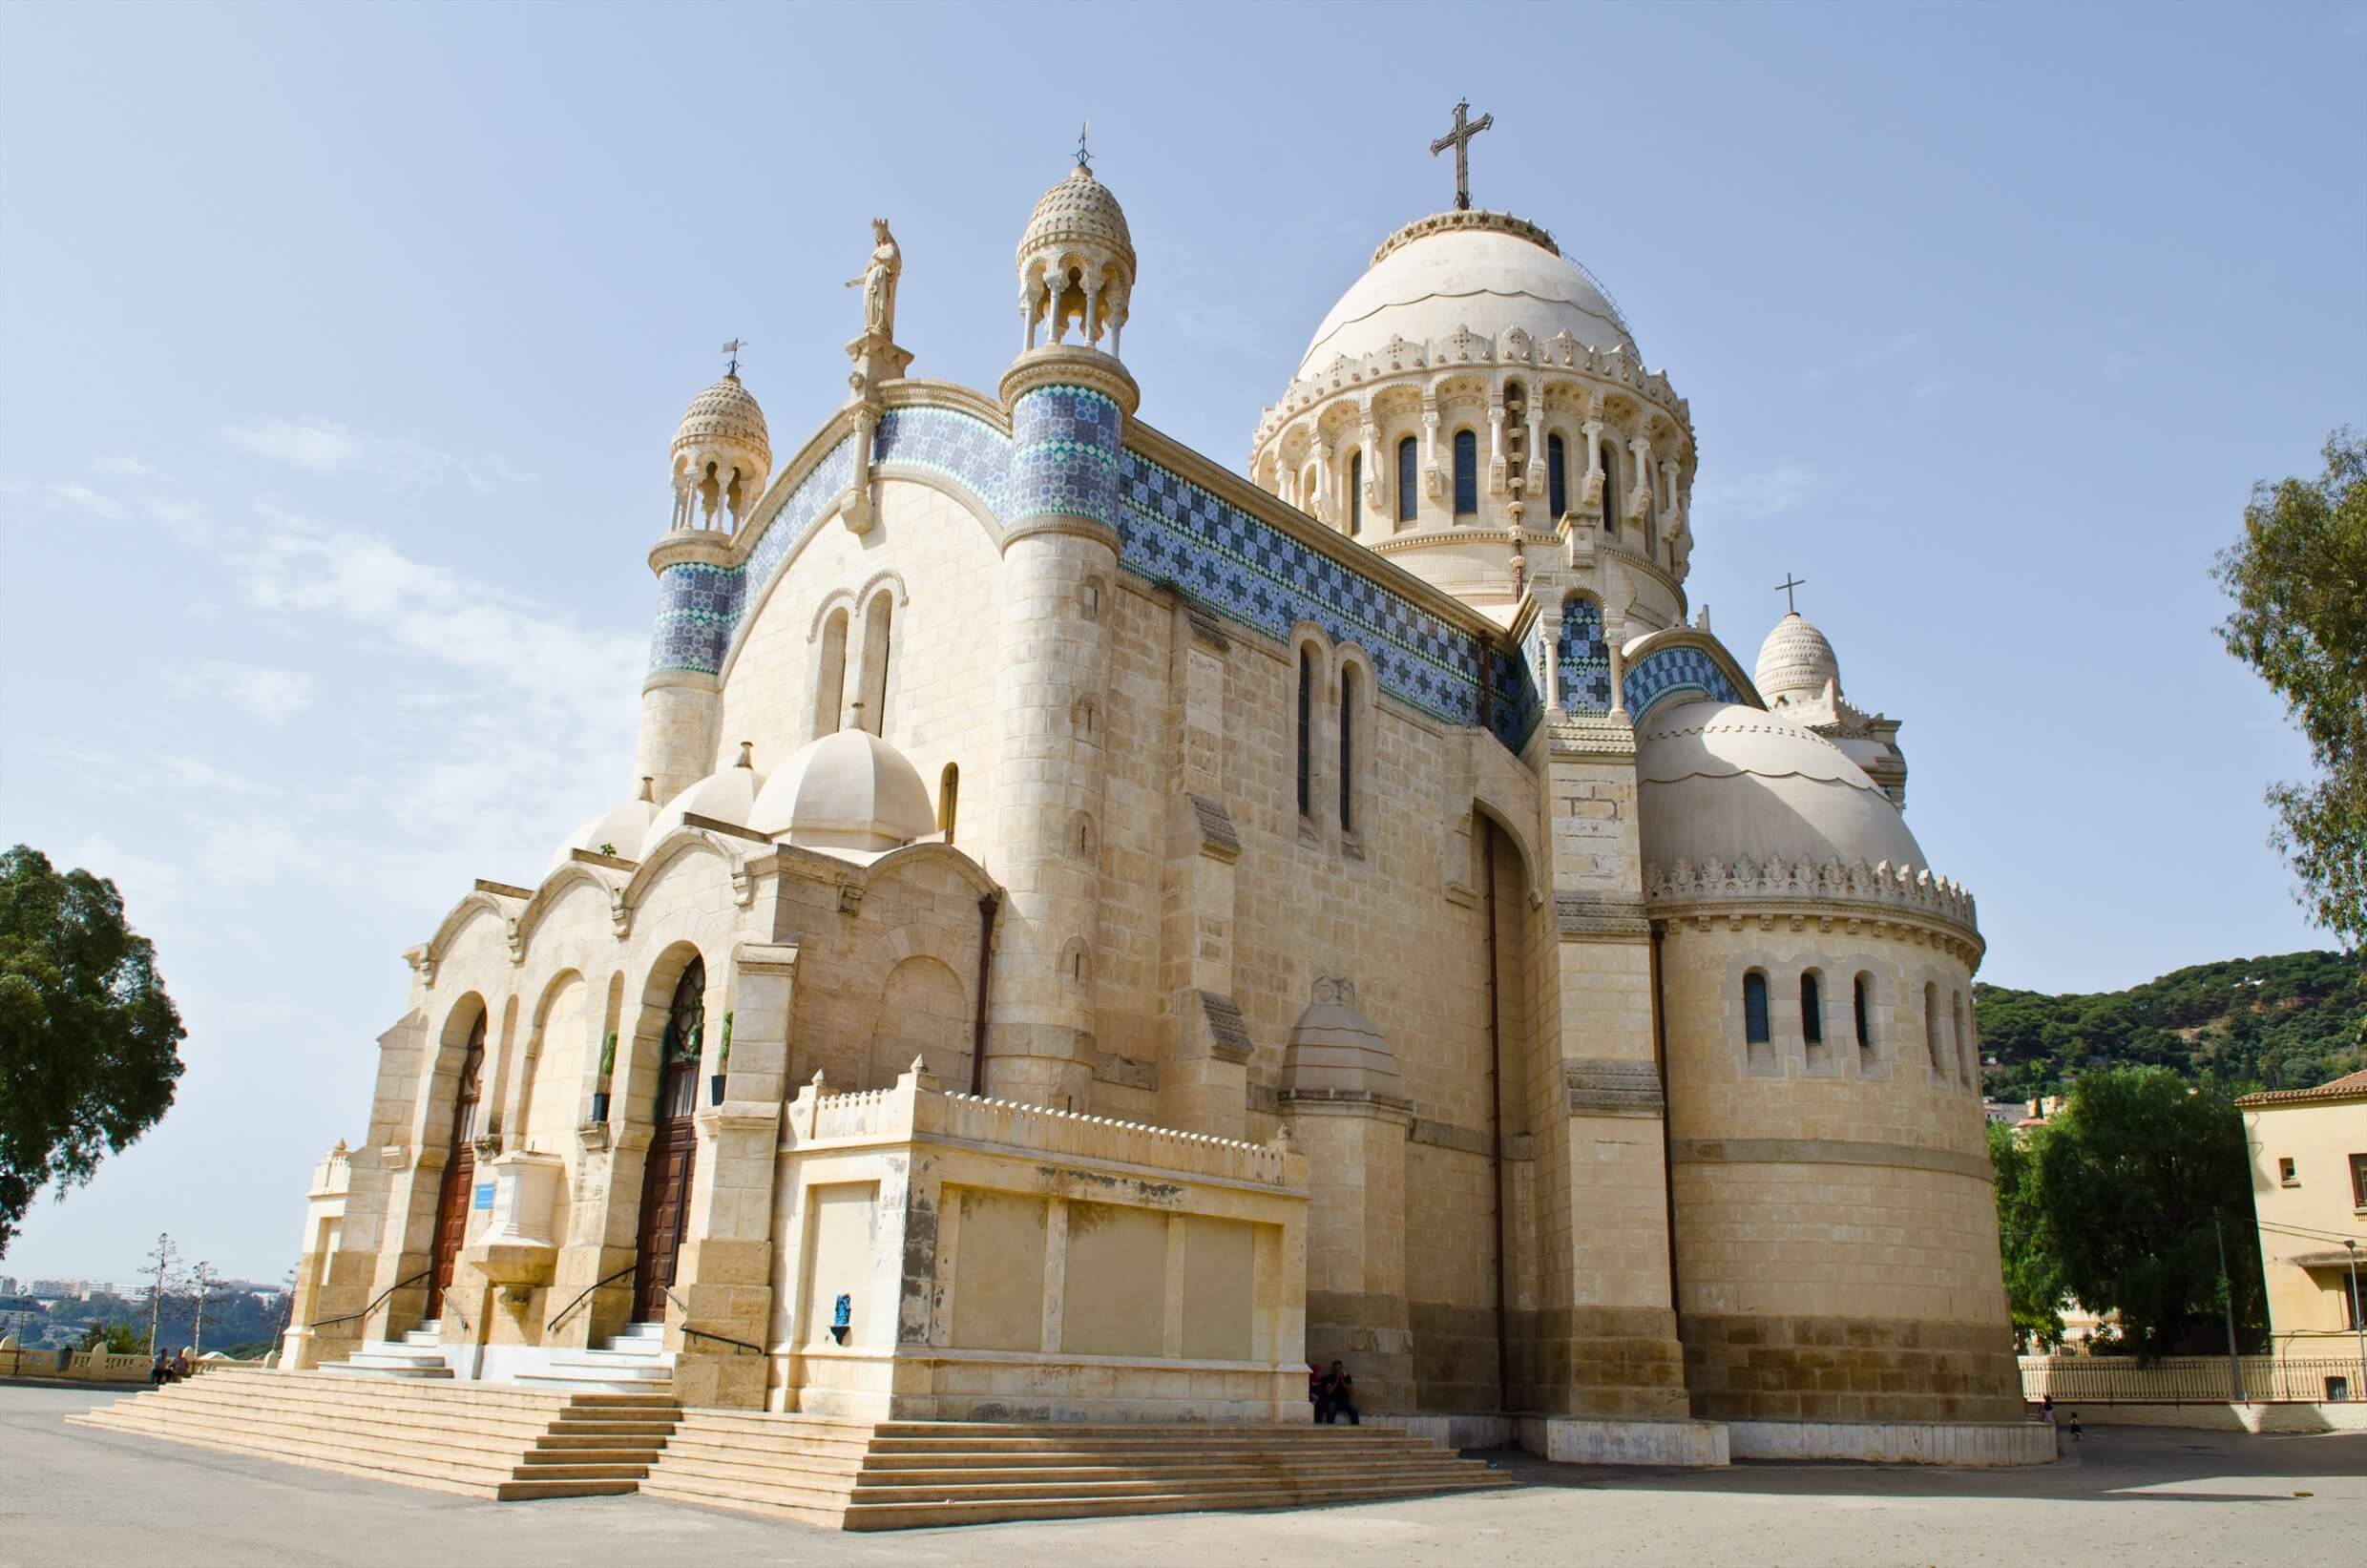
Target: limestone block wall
1835,1223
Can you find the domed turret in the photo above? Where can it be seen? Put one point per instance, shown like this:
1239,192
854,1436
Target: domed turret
848,790
616,832
1075,264
725,795
721,456
1795,663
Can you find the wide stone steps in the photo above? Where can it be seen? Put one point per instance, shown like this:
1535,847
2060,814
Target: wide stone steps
481,1442
905,1474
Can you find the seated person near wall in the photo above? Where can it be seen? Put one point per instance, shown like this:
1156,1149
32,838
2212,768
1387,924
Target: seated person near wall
1336,1396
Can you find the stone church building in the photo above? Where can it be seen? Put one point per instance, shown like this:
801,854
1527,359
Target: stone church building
1090,929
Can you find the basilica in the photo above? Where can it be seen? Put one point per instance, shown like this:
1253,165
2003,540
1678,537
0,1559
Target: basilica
1091,928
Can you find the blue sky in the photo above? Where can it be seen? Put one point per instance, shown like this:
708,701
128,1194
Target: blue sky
343,345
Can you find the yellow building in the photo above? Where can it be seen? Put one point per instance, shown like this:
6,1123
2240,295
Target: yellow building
2309,1184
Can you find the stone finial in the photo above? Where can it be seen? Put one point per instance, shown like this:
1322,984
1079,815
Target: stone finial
747,754
649,788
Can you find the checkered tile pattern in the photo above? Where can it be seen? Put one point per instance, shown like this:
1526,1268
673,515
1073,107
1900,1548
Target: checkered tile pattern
1667,673
1585,659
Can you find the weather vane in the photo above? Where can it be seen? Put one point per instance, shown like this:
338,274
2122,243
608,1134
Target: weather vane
1085,159
733,349
1459,138
1785,587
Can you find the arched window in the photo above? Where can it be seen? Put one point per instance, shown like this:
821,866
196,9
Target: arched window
1931,1028
1466,474
1557,479
830,675
1408,478
1811,1009
686,1031
1963,1047
1754,1008
1355,491
1306,720
1864,989
1610,488
875,640
1348,750
949,799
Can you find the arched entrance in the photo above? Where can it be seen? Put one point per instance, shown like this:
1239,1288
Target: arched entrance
451,1199
673,1147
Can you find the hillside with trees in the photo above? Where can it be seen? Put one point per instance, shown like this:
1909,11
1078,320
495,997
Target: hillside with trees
2286,1022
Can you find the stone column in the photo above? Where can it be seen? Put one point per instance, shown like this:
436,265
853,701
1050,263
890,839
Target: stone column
1496,444
724,1273
1432,478
1551,624
1590,489
1537,451
1640,499
1052,682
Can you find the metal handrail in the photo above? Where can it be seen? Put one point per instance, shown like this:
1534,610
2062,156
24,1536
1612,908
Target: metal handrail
701,1333
349,1317
566,1312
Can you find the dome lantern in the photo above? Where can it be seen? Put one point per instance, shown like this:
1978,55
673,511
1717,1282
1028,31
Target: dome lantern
1075,264
1795,663
722,457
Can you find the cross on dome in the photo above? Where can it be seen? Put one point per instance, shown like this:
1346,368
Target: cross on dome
1459,138
1785,587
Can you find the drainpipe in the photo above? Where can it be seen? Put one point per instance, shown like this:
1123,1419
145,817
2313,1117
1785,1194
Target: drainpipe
987,907
1495,1130
1667,1142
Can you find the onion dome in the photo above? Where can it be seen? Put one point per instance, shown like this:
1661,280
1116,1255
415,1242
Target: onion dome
1796,662
616,832
725,412
722,457
728,795
1721,781
1079,210
849,790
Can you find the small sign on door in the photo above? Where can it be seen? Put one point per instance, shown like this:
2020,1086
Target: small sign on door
484,1196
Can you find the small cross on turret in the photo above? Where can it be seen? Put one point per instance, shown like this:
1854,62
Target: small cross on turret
1459,138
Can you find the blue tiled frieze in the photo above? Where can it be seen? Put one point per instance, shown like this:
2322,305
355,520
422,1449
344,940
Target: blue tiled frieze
1065,446
698,606
1680,671
1585,659
962,448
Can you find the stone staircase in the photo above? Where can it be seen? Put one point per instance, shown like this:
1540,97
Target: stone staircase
903,1474
636,1361
418,1354
510,1444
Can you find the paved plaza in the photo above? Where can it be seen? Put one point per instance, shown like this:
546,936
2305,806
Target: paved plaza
2126,1495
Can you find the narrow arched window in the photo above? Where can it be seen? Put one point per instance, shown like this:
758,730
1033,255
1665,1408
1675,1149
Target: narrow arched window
1408,478
949,799
1812,1010
1610,488
1306,720
1348,750
1557,479
1466,473
830,675
1963,1048
1931,1028
1864,1000
1355,491
877,622
1754,1008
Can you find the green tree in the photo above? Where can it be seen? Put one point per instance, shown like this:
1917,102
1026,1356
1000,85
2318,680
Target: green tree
89,1041
2033,1274
119,1337
2298,577
2131,1177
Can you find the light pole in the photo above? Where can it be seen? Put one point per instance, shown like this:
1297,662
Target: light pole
2357,1322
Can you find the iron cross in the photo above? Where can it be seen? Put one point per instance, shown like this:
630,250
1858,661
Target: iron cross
1085,159
733,349
1459,138
1785,587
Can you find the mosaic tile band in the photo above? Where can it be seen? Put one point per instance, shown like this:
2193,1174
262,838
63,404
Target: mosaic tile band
700,606
1064,445
1584,655
1667,673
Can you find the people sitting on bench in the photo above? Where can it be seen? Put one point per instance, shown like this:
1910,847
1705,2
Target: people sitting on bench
1335,1396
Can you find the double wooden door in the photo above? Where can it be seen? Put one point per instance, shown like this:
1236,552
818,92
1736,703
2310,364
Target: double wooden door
665,1192
452,1198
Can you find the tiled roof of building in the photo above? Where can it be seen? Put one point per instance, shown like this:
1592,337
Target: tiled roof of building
2350,1086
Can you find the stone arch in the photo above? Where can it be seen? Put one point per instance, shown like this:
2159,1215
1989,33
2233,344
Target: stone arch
554,888
679,842
643,1033
1355,697
457,919
560,1056
924,1011
1682,663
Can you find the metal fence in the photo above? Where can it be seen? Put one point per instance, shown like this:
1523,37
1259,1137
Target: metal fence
2190,1380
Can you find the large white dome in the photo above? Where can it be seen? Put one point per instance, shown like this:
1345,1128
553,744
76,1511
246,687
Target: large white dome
1487,271
1722,781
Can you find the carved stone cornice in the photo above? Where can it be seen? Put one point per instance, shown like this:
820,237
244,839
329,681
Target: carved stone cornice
1601,917
1922,908
1219,839
1609,1086
1589,734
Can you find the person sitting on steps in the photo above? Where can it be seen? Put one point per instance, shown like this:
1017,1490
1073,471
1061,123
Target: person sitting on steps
1338,1397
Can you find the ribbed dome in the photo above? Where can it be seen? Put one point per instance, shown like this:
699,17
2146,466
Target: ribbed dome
1486,271
726,795
725,411
622,826
1335,1050
1722,781
1079,210
850,790
1795,662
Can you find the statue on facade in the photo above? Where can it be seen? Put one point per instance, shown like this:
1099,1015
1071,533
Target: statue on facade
878,283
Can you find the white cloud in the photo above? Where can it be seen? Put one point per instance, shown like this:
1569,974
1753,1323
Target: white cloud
272,694
316,446
1787,486
80,497
127,466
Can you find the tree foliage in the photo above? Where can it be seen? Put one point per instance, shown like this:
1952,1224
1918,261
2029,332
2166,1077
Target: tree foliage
2286,1022
2298,577
89,1041
2131,1178
2034,1288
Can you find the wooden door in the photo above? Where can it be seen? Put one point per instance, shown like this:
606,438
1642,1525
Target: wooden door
665,1209
452,1198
